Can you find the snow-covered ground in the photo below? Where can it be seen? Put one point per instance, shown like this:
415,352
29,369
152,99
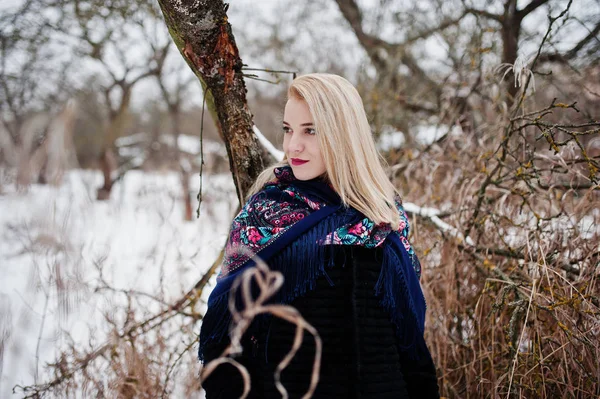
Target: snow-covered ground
137,240
424,134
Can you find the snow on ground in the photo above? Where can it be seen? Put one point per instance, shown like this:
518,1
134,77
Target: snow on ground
424,134
138,239
130,145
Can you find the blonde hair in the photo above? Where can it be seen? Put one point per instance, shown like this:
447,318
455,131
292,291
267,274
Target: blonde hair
353,165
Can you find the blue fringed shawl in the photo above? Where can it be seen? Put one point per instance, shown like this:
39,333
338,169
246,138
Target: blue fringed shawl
289,225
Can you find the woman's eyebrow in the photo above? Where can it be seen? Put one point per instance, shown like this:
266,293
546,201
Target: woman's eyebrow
302,124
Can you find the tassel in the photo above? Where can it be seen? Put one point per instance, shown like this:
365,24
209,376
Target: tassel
215,324
401,296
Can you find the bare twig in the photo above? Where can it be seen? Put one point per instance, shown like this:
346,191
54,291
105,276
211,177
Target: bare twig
268,283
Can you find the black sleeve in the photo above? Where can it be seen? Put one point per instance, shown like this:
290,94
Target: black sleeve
420,375
226,382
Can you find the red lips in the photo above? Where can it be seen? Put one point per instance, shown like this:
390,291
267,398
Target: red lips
298,161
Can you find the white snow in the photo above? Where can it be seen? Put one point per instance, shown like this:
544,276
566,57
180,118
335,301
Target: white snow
432,214
389,139
138,239
185,142
136,138
427,134
424,134
191,144
130,151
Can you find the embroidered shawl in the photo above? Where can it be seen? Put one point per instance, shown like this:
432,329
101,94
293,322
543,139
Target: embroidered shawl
295,226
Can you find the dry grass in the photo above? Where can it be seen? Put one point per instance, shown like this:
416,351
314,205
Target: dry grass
516,314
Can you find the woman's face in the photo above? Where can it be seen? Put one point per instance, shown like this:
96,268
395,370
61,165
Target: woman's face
300,142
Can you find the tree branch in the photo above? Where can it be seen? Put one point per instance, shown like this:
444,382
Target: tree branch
353,16
443,25
569,55
530,8
374,46
485,14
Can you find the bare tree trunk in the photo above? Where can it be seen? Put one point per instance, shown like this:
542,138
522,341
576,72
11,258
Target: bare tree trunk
204,38
23,170
108,163
108,159
186,192
184,166
511,28
51,159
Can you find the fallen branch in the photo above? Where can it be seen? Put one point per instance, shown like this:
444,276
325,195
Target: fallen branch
433,215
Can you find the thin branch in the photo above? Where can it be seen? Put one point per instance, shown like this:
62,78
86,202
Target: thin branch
533,5
573,52
199,196
442,26
137,329
373,45
486,14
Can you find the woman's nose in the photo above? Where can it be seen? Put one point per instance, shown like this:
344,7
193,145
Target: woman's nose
296,144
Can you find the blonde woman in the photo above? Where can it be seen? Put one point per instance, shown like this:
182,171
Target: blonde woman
329,219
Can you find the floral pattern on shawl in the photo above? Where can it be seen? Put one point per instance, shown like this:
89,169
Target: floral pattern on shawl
366,233
264,219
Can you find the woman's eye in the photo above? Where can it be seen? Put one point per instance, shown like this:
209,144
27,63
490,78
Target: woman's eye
286,129
311,131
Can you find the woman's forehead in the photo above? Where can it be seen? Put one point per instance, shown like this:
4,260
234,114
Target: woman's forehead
297,111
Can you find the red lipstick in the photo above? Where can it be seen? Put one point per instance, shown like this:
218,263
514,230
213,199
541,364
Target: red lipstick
298,161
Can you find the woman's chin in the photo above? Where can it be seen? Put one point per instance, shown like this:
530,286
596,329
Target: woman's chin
302,174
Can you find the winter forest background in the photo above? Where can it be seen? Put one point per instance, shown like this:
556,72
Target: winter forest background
486,111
